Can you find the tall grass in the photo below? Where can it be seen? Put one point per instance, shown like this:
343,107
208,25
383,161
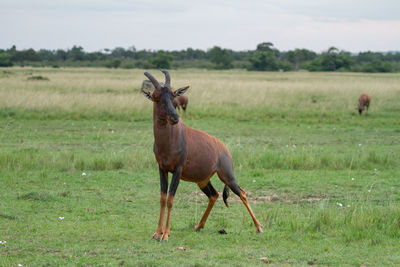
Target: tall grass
224,93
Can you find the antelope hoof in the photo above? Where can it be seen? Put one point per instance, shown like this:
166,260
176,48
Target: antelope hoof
198,227
164,238
156,236
260,231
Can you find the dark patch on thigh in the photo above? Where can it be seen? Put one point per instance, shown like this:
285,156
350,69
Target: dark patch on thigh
226,173
225,165
209,190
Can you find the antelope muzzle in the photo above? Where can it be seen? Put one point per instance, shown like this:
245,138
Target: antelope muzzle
173,119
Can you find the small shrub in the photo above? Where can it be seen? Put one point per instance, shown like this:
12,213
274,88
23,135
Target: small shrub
38,196
38,78
118,164
99,165
8,217
65,194
80,165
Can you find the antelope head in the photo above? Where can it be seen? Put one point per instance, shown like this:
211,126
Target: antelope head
360,107
163,96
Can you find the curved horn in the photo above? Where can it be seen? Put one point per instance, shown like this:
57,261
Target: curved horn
167,78
153,80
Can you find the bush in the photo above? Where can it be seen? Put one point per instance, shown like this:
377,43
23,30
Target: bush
115,63
285,66
263,61
5,60
161,61
38,78
377,66
221,58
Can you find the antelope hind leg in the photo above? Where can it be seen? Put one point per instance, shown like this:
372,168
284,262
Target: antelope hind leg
212,195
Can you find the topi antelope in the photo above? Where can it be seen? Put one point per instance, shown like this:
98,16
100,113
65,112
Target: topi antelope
180,101
190,155
363,101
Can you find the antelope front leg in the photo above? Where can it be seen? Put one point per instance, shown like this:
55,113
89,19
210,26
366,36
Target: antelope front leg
163,202
170,200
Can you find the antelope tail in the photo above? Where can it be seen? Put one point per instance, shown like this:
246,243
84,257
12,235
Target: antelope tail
225,195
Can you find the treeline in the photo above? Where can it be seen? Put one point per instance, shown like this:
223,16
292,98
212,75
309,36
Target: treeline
264,58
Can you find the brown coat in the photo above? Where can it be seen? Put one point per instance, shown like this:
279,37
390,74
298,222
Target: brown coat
363,102
181,102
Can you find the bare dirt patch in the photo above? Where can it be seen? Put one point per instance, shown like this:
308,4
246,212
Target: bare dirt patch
258,197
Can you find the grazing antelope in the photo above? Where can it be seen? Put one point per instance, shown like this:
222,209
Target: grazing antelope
146,84
363,101
180,101
190,155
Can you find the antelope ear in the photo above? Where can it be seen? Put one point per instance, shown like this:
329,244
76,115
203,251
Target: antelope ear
147,95
181,91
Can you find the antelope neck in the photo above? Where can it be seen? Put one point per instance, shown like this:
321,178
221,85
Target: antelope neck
160,118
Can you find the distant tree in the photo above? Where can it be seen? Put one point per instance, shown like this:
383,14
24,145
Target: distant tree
264,58
331,60
263,61
368,56
96,56
12,52
115,63
332,50
5,60
178,55
61,55
377,66
285,65
266,46
220,57
144,54
240,55
45,55
190,53
76,53
25,55
130,52
118,52
199,54
29,55
392,56
299,56
162,60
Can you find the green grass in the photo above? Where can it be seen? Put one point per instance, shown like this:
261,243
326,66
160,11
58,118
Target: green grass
322,180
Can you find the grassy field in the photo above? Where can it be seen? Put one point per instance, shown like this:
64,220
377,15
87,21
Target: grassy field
79,183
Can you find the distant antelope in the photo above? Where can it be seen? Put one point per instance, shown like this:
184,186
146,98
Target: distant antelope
180,101
189,154
363,101
146,84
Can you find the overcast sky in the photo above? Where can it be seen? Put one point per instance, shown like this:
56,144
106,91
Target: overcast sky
357,25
